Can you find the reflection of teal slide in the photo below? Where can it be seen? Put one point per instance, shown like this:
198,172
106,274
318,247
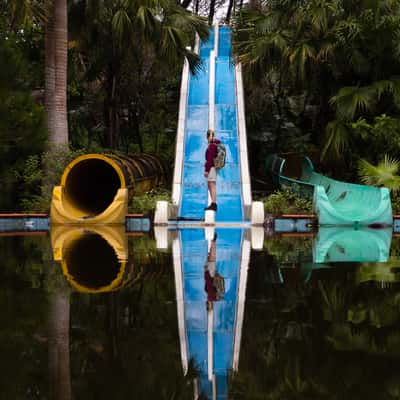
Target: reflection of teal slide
351,245
335,202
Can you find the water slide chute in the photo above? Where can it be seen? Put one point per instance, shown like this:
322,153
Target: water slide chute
96,188
335,202
213,98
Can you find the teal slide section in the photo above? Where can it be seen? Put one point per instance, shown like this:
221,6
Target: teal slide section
351,245
336,202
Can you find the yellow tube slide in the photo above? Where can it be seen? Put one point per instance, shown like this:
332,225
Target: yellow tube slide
96,188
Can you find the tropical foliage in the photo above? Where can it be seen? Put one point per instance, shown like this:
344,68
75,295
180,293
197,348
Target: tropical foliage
322,68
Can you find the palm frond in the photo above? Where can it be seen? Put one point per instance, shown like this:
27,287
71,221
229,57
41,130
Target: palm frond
337,138
383,174
352,99
121,25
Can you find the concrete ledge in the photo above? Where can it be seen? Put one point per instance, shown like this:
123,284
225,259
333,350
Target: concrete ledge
257,213
161,214
161,236
257,237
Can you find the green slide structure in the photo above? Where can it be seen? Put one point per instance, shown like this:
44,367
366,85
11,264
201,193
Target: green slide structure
345,244
334,202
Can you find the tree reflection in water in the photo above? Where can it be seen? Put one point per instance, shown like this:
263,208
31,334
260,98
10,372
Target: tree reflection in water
335,336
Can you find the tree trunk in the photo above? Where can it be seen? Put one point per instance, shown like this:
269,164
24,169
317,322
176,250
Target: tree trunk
196,7
56,63
59,358
229,11
211,12
111,109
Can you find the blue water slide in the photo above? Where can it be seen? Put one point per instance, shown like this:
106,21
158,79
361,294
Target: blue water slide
212,380
194,196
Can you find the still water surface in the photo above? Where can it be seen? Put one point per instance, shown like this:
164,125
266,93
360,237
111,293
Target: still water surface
97,314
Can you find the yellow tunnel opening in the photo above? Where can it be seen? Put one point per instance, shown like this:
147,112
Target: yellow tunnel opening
96,188
91,186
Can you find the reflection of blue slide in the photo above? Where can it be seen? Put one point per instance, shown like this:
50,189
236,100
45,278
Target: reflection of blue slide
194,195
211,335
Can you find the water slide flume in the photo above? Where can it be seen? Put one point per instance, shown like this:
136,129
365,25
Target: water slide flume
211,99
335,202
96,188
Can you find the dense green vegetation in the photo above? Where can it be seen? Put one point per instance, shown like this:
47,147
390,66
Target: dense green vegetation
321,78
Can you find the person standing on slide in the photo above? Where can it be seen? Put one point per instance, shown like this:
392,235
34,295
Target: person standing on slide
210,172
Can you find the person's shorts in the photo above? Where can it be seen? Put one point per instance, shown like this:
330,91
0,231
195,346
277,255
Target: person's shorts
212,175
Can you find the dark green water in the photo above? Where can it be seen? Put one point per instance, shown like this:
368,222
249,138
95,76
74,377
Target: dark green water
93,327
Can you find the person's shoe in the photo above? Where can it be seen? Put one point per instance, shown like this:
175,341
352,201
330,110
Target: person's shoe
212,207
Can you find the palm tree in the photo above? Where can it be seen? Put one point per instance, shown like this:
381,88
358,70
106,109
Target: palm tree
327,51
126,43
350,103
56,62
53,15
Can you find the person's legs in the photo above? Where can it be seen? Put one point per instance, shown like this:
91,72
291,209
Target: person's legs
212,188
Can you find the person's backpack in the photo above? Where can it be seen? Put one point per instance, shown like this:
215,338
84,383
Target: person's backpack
219,159
219,285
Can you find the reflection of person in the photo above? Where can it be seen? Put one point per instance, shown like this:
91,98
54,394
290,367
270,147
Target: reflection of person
209,170
209,274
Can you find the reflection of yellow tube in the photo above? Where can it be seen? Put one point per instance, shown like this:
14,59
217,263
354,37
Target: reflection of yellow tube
93,259
95,188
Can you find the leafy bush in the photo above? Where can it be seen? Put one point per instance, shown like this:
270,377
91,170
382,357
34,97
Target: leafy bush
395,202
146,203
40,174
286,202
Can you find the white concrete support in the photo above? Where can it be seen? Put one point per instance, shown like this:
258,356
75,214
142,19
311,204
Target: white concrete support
257,213
210,215
241,299
161,214
176,254
241,123
161,236
210,343
216,39
180,134
179,147
211,92
257,237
